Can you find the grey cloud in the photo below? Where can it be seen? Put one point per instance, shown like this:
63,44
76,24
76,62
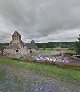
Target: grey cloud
37,19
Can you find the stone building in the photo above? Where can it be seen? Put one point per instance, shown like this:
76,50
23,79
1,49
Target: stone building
18,46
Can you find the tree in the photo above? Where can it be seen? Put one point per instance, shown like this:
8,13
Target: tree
44,46
2,50
78,45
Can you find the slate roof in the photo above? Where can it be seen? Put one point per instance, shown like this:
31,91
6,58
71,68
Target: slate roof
16,33
32,45
13,46
22,42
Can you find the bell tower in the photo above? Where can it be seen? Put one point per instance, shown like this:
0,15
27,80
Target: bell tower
16,38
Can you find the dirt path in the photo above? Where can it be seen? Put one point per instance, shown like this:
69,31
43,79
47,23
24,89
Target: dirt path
23,80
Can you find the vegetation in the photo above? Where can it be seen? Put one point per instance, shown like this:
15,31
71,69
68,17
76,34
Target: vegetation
71,52
2,50
65,74
77,46
4,45
56,45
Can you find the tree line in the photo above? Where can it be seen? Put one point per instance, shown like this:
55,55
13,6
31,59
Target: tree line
56,45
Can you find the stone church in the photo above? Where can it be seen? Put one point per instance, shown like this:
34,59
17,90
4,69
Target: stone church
18,46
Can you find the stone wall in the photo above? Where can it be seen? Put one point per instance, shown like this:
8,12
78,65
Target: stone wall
9,51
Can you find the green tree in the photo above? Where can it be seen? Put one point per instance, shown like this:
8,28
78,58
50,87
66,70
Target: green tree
44,46
78,45
2,50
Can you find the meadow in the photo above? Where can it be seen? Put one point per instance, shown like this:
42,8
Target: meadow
54,51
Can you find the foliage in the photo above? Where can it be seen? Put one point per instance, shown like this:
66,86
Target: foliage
56,45
70,52
77,46
2,49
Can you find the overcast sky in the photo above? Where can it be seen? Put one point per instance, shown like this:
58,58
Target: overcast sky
40,20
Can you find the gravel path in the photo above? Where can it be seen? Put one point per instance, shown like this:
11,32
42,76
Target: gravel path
22,80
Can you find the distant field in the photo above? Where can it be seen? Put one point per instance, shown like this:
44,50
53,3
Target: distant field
54,51
63,74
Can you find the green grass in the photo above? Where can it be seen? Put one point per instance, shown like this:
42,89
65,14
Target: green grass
63,74
43,52
70,52
48,51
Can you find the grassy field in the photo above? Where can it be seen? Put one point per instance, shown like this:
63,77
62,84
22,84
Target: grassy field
63,74
54,51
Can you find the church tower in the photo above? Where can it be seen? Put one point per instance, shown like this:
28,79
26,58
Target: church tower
16,38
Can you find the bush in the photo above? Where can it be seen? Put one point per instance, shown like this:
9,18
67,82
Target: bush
70,52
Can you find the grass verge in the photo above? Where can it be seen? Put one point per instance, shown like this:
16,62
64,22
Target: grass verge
64,74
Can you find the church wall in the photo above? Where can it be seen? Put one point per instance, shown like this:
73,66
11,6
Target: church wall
15,41
24,51
9,51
